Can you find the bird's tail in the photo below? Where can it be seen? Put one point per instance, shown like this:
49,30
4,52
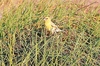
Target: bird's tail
59,30
63,31
55,30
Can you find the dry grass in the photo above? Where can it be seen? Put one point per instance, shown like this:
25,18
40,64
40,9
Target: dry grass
23,40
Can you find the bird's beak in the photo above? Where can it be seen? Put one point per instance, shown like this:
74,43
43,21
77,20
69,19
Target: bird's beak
44,18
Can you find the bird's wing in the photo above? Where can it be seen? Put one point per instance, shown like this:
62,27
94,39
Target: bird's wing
53,25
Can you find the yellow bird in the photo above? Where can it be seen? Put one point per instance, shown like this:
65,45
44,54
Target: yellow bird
50,26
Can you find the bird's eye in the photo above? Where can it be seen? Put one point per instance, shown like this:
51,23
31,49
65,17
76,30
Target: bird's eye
46,18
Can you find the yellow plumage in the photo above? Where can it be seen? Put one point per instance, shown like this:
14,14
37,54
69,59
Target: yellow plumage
50,26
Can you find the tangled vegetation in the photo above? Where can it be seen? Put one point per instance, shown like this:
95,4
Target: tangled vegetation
24,42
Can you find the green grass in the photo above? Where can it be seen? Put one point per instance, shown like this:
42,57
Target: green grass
23,40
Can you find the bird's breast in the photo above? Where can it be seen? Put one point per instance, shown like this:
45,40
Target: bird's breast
48,26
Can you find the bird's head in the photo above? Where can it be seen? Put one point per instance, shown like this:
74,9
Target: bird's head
47,18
